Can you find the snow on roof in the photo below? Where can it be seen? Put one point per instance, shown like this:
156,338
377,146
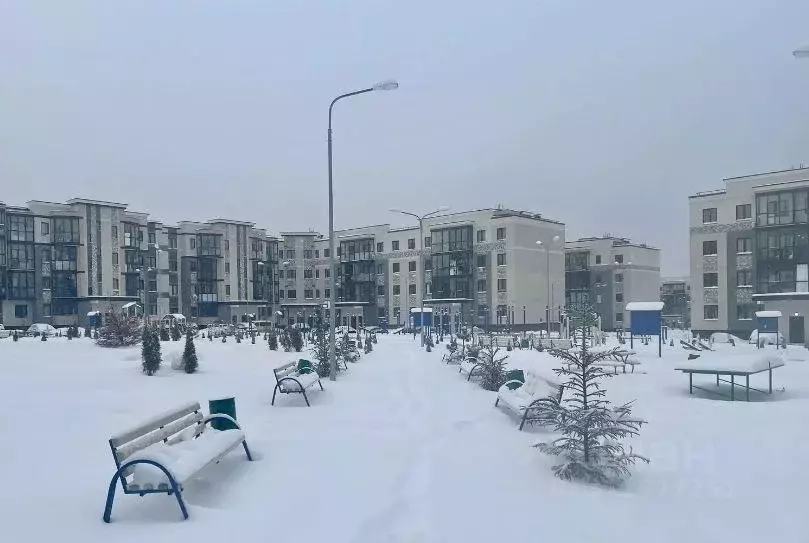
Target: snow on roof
768,313
418,310
178,316
644,306
93,313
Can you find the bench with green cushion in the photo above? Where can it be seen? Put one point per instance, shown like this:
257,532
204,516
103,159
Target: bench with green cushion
295,378
531,396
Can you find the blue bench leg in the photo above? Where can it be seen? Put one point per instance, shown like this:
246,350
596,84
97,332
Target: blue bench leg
305,398
524,416
247,451
274,392
175,488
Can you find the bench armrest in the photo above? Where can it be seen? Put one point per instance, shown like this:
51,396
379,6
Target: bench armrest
209,418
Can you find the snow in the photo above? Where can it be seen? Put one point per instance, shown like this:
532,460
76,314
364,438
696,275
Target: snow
741,362
768,313
399,449
419,310
128,305
644,306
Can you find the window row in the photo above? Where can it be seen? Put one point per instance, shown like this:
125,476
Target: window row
743,245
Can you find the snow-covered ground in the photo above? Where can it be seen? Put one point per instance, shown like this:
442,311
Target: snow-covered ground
400,449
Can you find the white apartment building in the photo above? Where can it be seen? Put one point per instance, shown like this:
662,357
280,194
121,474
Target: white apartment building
749,250
609,272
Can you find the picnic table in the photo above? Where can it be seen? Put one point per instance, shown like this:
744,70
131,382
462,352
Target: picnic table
732,366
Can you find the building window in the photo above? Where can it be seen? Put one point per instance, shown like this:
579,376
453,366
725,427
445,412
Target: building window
172,241
173,291
380,290
173,265
152,286
280,274
308,294
280,294
380,247
394,245
292,294
744,278
619,277
317,274
193,243
744,245
598,259
326,253
46,228
152,262
114,259
327,293
501,285
21,311
428,241
428,264
411,266
481,261
291,253
114,232
227,267
307,253
317,253
411,243
744,312
619,317
411,289
227,290
619,259
709,248
395,267
307,274
481,285
152,309
292,274
227,245
327,273
481,236
710,279
501,259
317,293
709,215
152,239
711,312
192,265
743,211
115,284
396,290
619,297
501,233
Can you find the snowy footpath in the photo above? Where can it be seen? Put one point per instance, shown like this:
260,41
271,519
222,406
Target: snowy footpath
400,449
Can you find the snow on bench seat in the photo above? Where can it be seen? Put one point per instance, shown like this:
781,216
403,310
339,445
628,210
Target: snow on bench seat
304,380
470,367
526,396
184,459
295,378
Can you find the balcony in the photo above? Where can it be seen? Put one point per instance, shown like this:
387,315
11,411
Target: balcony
66,237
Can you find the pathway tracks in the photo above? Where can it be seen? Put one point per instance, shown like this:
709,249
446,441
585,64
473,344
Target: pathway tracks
417,406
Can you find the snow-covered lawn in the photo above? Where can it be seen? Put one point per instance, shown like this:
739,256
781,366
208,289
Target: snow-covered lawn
400,449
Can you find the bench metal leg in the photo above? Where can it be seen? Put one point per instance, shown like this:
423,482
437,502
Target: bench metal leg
747,388
305,398
770,372
717,379
524,416
274,392
732,387
321,384
497,401
175,488
691,383
247,451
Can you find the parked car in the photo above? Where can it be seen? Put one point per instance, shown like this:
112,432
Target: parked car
41,329
4,333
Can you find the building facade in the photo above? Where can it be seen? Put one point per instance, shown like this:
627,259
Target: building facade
609,272
749,248
477,267
59,262
675,293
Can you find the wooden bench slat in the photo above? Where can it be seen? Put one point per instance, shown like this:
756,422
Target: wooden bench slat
153,424
130,448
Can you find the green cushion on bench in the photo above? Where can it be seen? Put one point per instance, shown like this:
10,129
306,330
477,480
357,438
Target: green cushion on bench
515,375
305,366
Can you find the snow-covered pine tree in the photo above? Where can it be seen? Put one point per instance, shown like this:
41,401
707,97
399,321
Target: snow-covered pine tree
86,332
150,350
118,331
175,333
190,361
164,334
285,341
320,351
494,368
272,341
296,340
591,428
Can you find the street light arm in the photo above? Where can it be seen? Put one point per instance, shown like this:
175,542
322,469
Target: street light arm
346,95
406,213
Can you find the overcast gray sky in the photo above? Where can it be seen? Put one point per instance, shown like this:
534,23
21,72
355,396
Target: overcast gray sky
604,115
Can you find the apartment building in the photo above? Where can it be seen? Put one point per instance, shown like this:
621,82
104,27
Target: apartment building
60,262
482,267
749,250
609,272
675,293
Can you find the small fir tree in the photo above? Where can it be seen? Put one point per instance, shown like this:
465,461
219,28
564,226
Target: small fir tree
238,338
190,361
164,334
150,351
86,332
175,332
591,428
494,368
224,338
296,340
286,344
210,336
44,336
119,331
253,338
15,336
272,341
428,341
320,351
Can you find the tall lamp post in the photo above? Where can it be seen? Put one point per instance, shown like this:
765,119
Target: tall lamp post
548,280
384,85
423,271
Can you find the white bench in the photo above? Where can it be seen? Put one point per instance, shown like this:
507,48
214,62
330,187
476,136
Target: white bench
295,378
531,396
163,453
471,366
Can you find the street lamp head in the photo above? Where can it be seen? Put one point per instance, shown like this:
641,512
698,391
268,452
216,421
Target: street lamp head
389,84
539,243
556,238
801,53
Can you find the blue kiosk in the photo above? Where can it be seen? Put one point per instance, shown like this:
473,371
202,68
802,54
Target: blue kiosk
767,322
645,320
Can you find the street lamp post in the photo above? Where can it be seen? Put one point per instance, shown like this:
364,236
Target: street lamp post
548,281
384,85
423,270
